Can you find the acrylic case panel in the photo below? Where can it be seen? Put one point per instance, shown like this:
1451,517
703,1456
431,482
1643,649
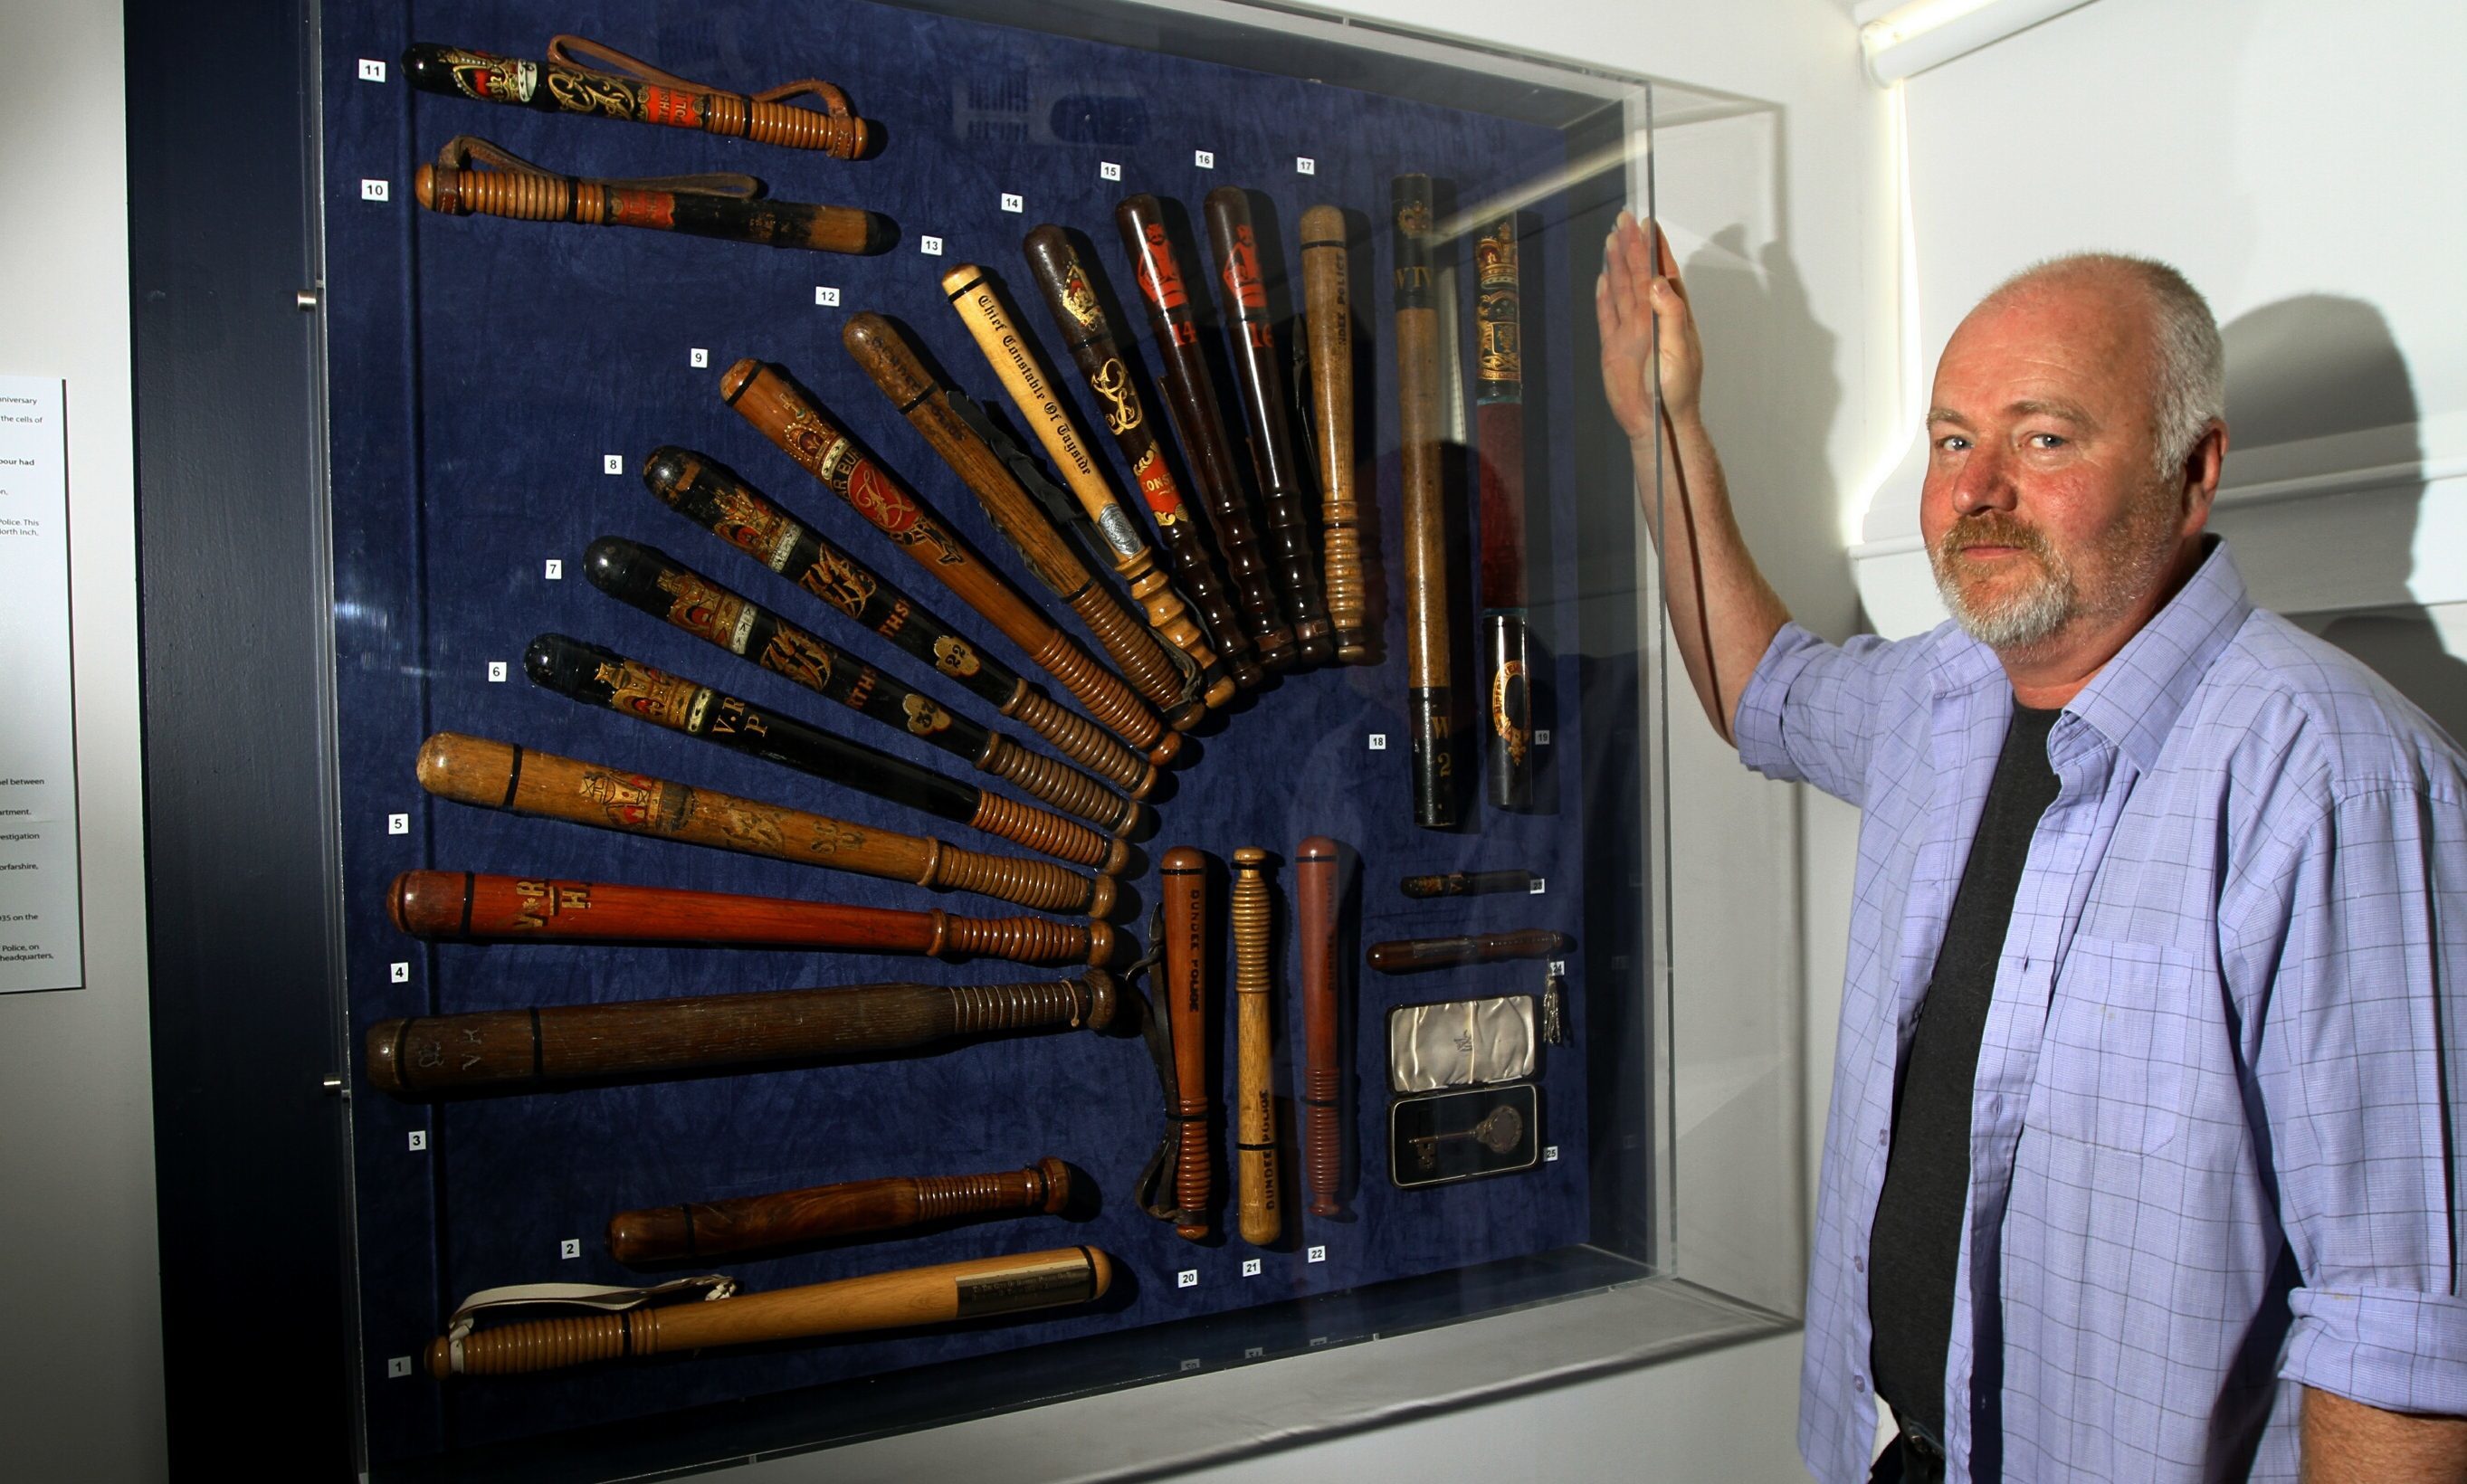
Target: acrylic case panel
496,387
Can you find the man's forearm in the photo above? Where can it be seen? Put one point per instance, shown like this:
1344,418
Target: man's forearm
1722,613
2349,1443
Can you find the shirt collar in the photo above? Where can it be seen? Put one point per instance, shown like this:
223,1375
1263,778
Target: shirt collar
2136,697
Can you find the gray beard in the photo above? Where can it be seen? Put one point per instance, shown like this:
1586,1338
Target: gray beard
2029,618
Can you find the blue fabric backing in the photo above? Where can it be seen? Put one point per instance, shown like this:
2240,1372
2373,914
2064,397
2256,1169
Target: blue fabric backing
480,371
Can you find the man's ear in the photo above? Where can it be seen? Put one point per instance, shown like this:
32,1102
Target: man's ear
2200,474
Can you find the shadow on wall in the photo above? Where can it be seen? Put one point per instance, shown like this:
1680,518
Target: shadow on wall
1771,396
2316,367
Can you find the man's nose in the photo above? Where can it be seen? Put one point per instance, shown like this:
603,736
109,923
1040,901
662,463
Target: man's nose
1985,480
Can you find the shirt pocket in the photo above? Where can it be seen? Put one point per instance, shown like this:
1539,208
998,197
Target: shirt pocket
2112,1068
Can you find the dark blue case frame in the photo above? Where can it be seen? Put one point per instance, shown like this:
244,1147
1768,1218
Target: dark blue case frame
479,369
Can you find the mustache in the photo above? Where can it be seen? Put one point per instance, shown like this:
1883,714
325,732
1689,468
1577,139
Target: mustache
1991,527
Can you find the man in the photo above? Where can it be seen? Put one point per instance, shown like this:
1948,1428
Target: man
2144,1154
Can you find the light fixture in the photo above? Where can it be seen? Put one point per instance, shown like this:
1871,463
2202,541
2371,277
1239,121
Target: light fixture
1903,38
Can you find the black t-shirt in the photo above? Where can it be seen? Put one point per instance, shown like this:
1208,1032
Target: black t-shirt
1917,1239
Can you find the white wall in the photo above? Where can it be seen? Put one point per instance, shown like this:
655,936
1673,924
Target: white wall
81,1383
2300,163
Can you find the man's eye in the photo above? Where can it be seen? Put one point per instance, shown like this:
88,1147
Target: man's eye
1952,444
2047,441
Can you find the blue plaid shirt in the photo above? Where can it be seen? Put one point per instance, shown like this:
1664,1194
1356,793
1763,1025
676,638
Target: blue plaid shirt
2217,1123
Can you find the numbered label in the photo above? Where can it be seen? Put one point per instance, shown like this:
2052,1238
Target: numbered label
372,70
930,245
1378,741
571,1247
1540,885
1107,169
612,463
1188,1277
399,971
419,1141
698,358
397,1366
376,191
398,824
1255,1352
1250,1267
496,672
1205,159
1316,1254
553,569
1541,736
1305,165
1190,1365
1549,1154
826,295
1558,965
1011,201
1318,1340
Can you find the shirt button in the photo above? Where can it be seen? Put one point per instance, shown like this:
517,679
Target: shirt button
1884,1136
1858,1383
1859,1265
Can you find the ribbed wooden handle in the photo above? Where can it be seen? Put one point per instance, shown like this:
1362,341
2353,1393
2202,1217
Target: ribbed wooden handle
1047,888
1048,832
1138,655
1327,310
1080,741
1059,784
1315,936
843,136
1105,695
1254,1117
851,1208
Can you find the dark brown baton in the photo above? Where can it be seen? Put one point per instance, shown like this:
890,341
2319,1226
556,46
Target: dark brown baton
512,1050
977,1288
891,1207
474,176
1283,493
714,498
1328,315
595,675
665,588
885,355
1466,884
625,87
490,774
765,397
1316,894
1012,355
1429,698
1499,432
1070,296
1191,400
1413,956
1185,890
470,907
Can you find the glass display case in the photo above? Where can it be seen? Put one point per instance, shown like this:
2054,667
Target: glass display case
1173,865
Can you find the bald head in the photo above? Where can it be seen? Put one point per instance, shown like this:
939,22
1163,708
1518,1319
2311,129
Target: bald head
2188,365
